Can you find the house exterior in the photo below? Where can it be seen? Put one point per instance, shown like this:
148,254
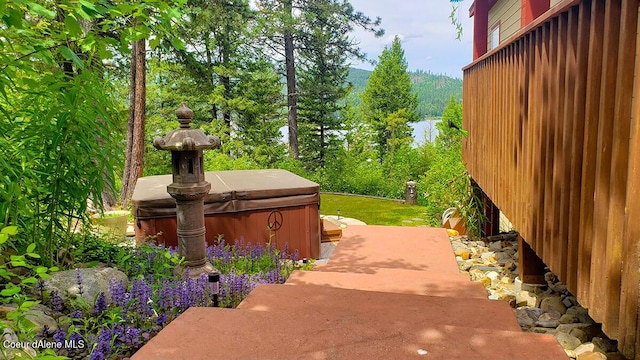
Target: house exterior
552,109
497,20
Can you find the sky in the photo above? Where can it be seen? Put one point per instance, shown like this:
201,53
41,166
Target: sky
425,30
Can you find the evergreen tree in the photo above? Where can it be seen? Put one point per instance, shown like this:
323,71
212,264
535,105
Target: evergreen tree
450,138
388,91
218,47
284,30
260,115
323,86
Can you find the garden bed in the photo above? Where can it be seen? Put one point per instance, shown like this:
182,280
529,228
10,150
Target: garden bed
115,323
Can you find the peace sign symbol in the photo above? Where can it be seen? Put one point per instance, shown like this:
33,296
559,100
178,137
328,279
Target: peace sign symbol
275,220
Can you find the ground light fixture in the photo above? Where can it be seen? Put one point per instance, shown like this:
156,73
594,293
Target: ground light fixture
214,284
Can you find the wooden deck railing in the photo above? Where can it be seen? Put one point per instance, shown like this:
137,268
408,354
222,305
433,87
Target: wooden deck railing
554,141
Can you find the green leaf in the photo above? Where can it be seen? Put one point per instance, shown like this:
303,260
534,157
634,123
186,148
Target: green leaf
73,26
31,247
3,238
68,54
177,43
9,230
154,42
14,18
41,10
87,4
30,280
33,255
27,304
10,292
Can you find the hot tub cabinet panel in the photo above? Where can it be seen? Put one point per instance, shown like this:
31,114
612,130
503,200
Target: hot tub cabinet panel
256,205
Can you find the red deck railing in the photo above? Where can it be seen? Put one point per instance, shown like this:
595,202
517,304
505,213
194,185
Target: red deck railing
554,141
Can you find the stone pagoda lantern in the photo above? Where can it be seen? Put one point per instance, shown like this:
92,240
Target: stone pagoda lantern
189,188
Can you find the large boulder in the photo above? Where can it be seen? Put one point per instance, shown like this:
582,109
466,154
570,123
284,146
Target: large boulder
94,281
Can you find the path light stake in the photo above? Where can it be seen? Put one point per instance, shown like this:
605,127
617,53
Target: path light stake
189,188
214,283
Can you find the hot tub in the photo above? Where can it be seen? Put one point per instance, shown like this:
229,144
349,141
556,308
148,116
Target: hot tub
259,206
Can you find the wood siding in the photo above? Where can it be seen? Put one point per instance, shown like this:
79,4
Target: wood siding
554,141
506,13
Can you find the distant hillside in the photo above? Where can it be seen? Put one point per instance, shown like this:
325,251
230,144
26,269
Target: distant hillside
433,90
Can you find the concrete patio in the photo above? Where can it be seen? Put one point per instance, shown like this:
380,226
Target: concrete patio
385,293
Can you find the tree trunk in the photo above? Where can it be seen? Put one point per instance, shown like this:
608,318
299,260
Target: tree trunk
134,163
292,100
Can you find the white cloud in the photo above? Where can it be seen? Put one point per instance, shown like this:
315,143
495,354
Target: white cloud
428,37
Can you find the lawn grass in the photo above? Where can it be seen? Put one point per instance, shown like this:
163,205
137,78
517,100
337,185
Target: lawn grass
373,211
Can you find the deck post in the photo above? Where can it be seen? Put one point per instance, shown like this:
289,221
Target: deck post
531,268
490,224
492,213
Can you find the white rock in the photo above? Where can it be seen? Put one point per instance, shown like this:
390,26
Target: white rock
583,348
526,298
487,256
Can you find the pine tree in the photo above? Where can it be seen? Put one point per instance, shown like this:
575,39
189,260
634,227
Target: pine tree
284,32
388,91
323,86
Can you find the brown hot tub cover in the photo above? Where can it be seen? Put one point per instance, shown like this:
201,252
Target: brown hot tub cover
240,203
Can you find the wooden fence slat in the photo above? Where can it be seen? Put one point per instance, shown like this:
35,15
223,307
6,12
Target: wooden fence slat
558,159
568,58
603,160
592,106
549,102
541,143
629,343
578,113
619,162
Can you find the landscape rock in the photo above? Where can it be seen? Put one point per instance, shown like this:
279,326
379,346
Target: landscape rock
553,303
580,334
581,314
463,253
541,330
552,324
493,276
539,308
535,312
607,345
94,281
466,265
592,356
568,342
567,319
40,316
525,298
524,319
9,336
495,246
583,348
590,330
483,268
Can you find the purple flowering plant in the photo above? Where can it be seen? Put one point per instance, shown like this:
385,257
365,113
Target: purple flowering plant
119,322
